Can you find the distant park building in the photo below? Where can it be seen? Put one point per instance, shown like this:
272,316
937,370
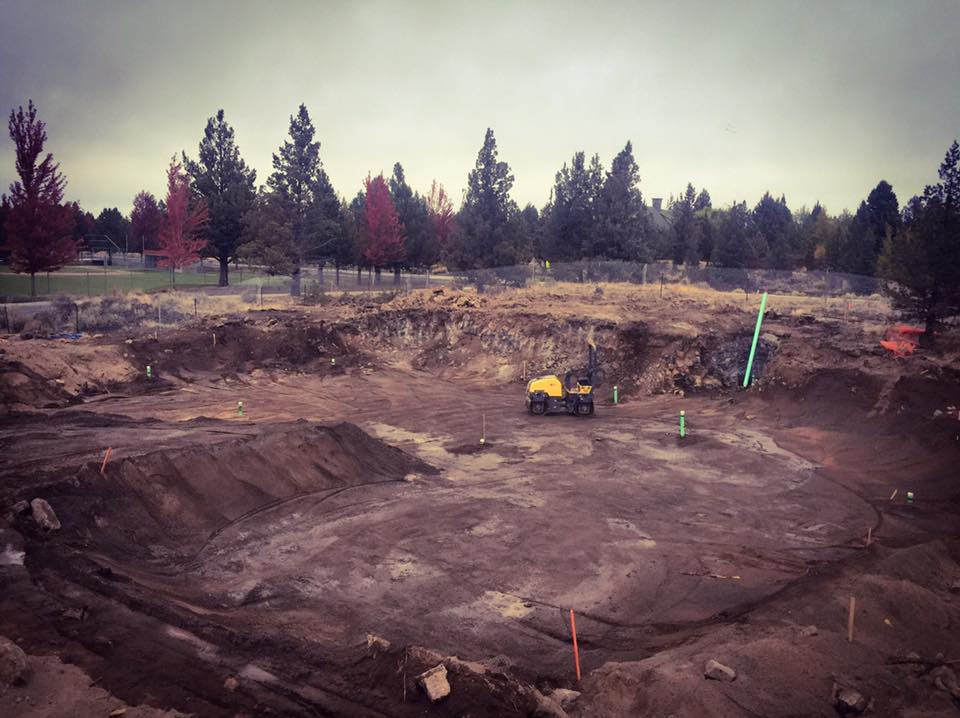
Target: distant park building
151,257
660,219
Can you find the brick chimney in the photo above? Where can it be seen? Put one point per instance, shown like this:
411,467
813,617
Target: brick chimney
658,203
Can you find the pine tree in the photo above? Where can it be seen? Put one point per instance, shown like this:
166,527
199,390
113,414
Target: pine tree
883,214
223,180
570,220
487,230
38,227
817,232
777,234
267,238
855,244
621,217
702,201
733,246
146,218
420,245
922,261
111,224
305,198
686,238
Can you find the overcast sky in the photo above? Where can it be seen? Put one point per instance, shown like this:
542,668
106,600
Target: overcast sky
816,100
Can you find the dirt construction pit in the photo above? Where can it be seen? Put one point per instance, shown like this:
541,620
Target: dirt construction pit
316,552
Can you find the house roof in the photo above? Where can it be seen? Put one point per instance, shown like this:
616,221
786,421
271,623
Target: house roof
660,219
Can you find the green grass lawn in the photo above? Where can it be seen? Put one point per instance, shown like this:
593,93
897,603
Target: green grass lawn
86,280
81,280
89,281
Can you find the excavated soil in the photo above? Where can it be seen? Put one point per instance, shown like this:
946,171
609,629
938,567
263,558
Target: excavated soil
225,564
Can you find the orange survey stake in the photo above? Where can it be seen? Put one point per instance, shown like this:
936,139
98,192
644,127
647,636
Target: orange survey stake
576,651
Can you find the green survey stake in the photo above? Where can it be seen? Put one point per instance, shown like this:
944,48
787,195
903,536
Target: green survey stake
683,428
756,336
239,408
616,394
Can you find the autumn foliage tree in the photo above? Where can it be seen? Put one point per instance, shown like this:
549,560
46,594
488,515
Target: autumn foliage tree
441,215
383,231
180,237
38,227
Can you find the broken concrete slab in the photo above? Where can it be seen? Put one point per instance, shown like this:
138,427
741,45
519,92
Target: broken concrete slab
434,683
849,701
716,671
564,696
44,515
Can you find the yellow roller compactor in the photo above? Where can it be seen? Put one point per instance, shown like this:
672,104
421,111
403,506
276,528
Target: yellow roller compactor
572,395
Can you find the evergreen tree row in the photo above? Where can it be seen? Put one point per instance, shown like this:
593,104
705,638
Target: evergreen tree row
297,219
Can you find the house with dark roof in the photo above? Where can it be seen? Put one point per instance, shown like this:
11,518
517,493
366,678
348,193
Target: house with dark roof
660,218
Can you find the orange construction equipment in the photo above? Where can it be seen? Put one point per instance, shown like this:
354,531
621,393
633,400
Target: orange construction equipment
902,339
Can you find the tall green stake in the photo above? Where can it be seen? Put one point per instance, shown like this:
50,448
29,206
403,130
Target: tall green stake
756,336
683,424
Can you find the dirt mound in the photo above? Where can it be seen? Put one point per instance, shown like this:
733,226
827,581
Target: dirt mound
277,340
55,373
166,503
21,387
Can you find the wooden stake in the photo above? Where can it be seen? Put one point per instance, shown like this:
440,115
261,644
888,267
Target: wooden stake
576,650
483,430
850,616
869,534
214,339
106,458
894,494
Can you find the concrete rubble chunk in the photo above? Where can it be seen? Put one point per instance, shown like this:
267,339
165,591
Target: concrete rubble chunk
850,701
564,696
44,515
434,683
716,671
376,644
21,507
14,668
808,631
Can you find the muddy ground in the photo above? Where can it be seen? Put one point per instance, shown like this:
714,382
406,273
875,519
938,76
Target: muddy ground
226,564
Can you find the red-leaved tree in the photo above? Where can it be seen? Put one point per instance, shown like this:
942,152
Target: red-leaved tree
38,228
382,227
180,239
441,214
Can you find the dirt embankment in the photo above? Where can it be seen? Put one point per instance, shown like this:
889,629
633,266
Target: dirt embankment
792,655
164,504
648,345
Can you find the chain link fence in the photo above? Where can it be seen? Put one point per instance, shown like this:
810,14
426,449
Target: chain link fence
811,283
